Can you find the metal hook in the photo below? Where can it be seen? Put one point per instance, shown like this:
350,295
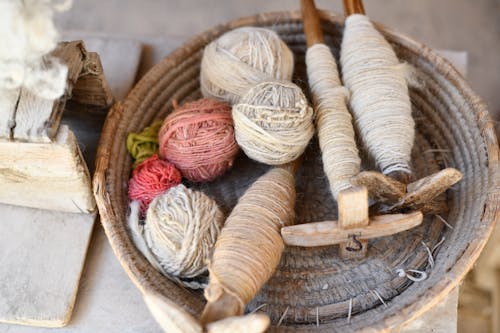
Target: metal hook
358,247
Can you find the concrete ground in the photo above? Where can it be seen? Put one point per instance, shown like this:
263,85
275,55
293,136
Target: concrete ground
465,25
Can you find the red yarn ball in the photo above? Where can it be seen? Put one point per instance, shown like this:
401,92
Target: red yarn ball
198,138
150,179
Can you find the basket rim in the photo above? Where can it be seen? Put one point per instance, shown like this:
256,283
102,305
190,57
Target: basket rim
430,297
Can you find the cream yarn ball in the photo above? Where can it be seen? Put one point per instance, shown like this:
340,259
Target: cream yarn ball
181,228
273,122
242,58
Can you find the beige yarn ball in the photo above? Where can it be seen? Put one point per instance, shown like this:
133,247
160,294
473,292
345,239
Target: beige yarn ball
273,122
242,58
181,228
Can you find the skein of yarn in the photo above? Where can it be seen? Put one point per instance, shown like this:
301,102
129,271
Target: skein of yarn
144,144
273,122
181,229
198,138
242,58
151,178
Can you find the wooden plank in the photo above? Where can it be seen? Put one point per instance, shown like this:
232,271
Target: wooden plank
46,175
353,213
37,119
42,255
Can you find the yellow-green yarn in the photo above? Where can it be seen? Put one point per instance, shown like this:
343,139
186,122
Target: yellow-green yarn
144,144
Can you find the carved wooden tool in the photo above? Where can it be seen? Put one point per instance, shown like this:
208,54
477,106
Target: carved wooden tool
353,229
390,189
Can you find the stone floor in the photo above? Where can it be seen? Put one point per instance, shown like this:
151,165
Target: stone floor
465,25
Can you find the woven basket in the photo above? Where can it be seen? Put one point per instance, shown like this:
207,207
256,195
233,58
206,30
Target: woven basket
313,289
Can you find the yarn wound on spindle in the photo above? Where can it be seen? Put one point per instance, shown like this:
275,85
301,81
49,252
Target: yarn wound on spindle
198,138
240,59
181,229
144,144
273,122
150,179
250,246
379,94
336,137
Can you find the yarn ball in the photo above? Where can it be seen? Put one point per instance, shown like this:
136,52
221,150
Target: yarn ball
150,179
144,144
198,138
242,58
273,122
181,229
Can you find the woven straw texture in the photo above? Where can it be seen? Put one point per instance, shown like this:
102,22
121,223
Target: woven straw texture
313,289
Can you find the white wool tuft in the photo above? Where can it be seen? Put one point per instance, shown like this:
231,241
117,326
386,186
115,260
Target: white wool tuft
27,35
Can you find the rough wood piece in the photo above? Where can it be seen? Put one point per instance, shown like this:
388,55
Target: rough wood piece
46,175
37,119
251,323
92,87
426,189
42,255
170,317
381,188
8,102
328,233
353,213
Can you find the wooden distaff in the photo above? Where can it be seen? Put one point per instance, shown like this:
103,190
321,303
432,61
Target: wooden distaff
381,106
338,146
249,247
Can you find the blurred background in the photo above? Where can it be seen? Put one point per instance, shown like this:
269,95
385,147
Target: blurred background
457,25
462,25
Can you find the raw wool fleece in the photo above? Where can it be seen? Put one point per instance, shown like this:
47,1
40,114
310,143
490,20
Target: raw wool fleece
27,35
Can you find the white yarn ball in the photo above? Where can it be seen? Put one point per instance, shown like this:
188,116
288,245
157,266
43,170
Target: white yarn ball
181,229
273,122
242,58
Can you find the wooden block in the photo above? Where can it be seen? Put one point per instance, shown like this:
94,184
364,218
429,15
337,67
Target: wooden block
92,87
37,119
353,213
120,57
46,175
42,254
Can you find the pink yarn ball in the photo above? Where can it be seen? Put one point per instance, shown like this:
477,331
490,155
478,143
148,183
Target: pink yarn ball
198,138
150,179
